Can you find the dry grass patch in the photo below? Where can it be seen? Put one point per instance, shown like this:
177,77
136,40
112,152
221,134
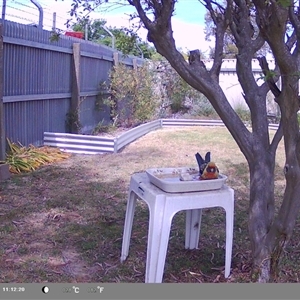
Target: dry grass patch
64,222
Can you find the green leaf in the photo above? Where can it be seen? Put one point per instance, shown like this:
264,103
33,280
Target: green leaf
284,3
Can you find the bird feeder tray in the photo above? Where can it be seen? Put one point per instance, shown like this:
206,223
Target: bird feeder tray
182,180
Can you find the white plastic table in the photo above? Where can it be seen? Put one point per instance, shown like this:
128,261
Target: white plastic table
162,208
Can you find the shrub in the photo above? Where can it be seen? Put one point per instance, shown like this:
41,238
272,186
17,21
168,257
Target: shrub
242,112
202,107
179,96
27,159
131,96
103,127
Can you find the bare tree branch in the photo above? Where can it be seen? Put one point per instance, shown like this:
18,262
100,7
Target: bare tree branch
219,17
146,21
295,20
277,138
291,40
269,77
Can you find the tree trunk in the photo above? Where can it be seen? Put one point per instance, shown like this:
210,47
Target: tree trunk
284,224
261,211
269,237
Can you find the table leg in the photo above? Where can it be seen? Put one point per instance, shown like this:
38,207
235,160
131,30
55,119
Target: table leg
229,238
192,228
228,205
128,224
164,241
158,230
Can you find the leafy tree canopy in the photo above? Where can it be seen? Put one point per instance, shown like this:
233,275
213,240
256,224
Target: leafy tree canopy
126,39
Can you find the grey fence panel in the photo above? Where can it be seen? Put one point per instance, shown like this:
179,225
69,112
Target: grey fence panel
27,121
91,114
38,82
76,143
56,113
33,34
34,71
93,73
136,133
101,51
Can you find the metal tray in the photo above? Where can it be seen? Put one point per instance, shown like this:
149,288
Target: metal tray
168,180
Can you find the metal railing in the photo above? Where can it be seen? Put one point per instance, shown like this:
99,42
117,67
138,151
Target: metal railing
191,122
87,144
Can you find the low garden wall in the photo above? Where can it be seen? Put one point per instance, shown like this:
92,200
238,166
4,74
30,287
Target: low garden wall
89,144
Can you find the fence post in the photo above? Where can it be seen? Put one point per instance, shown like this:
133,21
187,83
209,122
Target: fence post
4,168
116,58
74,114
2,123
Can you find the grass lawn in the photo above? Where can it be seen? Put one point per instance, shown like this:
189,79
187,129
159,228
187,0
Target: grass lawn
64,222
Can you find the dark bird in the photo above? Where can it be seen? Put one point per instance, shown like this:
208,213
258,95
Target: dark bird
202,163
211,171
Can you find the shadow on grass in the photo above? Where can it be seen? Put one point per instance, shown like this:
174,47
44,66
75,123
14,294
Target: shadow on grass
68,227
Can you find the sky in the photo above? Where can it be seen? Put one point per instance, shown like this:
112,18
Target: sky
187,22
